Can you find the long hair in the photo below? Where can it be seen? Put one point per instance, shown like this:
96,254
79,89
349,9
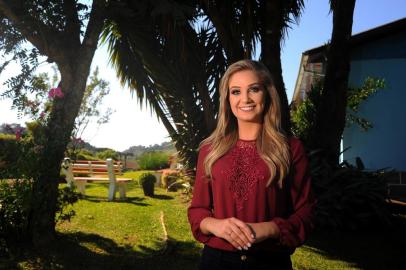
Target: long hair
272,144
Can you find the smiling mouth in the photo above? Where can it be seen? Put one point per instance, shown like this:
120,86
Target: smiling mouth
247,108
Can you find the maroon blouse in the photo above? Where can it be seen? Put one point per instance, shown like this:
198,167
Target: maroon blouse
239,190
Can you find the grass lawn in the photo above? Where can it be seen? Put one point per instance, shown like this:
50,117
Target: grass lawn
128,235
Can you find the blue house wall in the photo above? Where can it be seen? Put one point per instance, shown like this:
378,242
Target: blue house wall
384,145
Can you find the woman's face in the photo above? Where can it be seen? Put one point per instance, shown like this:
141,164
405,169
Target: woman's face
246,96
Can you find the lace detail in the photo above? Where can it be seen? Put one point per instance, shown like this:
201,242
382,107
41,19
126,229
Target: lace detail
243,176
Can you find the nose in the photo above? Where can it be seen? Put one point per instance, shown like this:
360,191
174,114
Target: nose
245,97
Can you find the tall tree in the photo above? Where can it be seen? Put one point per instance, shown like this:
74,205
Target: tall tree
241,24
330,120
160,54
277,15
58,31
174,56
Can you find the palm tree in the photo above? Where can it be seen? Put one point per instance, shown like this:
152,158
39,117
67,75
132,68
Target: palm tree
330,119
240,25
277,16
174,58
165,59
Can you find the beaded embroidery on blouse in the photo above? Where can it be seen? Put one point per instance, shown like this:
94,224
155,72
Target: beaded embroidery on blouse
243,176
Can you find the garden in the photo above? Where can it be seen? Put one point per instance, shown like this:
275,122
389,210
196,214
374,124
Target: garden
171,55
142,232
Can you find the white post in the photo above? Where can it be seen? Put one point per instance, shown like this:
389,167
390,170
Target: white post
81,185
112,179
67,170
122,189
158,176
89,163
119,167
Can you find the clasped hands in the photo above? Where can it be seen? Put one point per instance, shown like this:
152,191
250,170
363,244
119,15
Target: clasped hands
238,233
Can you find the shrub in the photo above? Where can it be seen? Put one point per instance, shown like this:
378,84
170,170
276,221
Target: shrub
67,197
185,182
304,115
19,163
84,154
154,160
4,136
146,179
18,159
170,178
80,154
347,196
15,203
179,180
9,152
15,206
108,153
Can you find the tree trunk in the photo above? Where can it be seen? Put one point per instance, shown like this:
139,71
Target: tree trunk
73,59
54,141
271,36
330,119
222,17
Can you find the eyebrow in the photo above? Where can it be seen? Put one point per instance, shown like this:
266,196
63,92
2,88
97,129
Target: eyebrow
250,85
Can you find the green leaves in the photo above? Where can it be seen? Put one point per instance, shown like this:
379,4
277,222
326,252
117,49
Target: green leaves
356,96
147,179
347,197
16,204
153,160
67,197
303,116
108,153
169,65
96,90
15,198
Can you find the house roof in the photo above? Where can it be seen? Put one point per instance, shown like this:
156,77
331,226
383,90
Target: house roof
369,35
318,54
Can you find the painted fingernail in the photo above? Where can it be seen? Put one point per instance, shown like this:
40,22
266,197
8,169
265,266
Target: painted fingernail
253,237
249,244
239,248
245,247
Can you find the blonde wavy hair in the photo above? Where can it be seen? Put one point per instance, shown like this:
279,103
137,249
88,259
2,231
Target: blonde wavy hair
272,143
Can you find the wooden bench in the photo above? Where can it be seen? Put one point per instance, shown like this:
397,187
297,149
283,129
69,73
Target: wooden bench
81,172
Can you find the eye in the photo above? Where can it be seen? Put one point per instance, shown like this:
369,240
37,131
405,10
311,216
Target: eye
234,92
255,89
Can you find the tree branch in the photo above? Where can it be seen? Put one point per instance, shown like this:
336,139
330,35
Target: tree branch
72,19
95,25
44,38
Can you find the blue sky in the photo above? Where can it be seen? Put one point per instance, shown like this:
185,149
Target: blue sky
315,27
130,125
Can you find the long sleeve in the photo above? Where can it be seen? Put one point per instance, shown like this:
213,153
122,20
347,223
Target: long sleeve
295,228
201,205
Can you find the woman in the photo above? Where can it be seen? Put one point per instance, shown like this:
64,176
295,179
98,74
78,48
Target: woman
252,202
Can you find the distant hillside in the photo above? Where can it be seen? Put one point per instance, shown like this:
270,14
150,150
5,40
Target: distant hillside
139,149
87,146
136,150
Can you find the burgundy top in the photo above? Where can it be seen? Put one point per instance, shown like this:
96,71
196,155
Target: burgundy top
238,189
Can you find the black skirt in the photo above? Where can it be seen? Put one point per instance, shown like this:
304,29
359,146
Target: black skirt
217,259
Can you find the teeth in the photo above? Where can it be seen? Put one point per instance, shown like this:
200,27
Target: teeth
248,108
